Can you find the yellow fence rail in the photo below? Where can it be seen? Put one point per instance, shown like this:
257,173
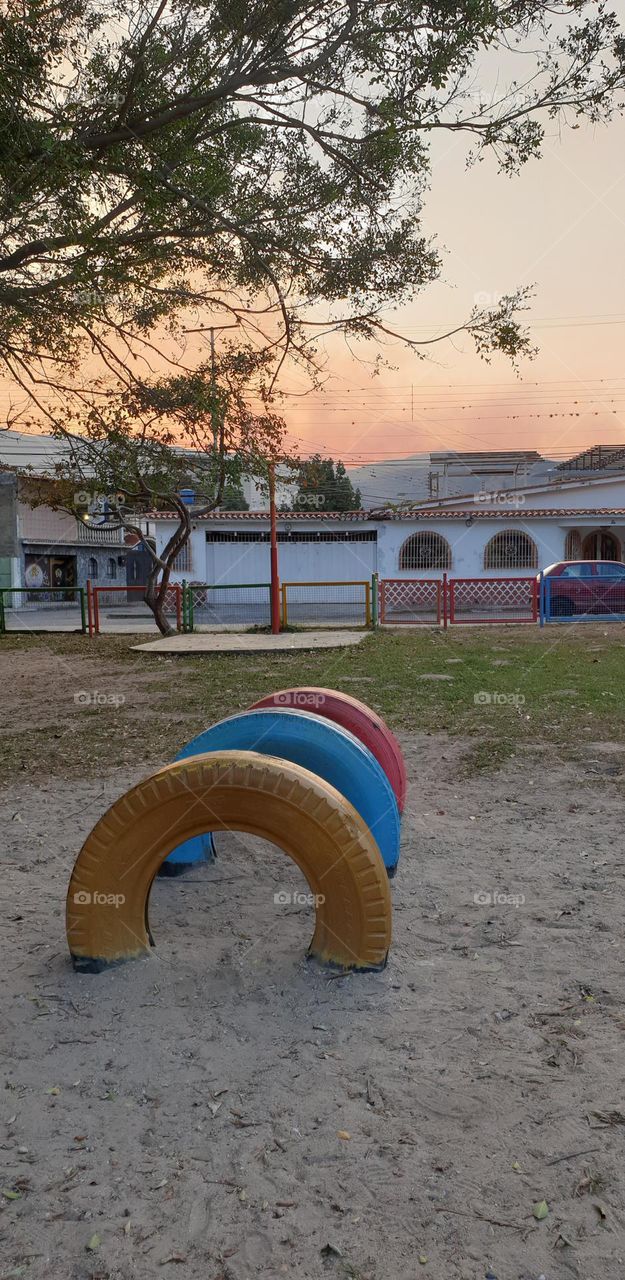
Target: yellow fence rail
339,604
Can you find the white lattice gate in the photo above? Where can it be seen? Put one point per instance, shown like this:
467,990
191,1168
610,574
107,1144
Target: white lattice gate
410,600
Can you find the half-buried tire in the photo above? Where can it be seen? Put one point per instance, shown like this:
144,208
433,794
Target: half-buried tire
107,921
317,744
355,716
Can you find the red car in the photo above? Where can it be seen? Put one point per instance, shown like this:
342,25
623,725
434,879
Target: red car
584,586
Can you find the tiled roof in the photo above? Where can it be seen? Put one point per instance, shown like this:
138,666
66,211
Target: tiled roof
417,513
264,515
501,513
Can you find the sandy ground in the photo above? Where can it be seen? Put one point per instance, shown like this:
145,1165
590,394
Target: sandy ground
180,1116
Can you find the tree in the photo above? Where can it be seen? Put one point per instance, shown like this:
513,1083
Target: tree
168,165
324,486
139,451
233,498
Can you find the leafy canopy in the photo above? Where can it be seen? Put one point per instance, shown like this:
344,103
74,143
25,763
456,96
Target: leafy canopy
325,486
256,162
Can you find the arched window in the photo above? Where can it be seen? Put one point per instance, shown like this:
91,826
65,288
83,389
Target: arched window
511,549
112,567
573,545
601,545
93,567
425,550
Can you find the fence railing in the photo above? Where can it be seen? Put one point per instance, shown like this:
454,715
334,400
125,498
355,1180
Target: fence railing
429,601
99,598
392,601
239,603
409,601
493,600
19,601
584,599
326,603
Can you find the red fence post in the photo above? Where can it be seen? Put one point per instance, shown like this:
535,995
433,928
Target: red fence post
89,607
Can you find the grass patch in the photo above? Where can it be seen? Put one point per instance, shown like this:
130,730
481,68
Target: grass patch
502,686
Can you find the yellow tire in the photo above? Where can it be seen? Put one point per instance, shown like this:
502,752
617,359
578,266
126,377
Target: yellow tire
107,919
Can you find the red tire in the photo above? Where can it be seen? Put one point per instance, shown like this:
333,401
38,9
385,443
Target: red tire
355,716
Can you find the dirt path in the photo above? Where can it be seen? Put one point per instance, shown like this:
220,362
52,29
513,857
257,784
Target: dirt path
182,1115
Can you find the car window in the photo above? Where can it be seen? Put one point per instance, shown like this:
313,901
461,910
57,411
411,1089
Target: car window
611,570
582,570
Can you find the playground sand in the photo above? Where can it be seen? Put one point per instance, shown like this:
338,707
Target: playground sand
227,1110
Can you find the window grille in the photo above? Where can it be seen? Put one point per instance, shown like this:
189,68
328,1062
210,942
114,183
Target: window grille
511,549
573,545
425,550
184,561
296,535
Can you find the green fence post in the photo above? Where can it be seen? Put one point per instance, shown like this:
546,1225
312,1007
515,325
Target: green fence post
83,614
374,600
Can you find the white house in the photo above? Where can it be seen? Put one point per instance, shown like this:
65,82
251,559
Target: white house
524,531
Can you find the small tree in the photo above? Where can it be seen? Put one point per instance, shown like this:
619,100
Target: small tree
233,498
324,485
137,453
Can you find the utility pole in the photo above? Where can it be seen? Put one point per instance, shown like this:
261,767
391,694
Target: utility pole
275,581
213,390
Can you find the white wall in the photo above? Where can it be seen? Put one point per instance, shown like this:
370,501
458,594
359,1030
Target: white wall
608,492
221,562
338,561
467,545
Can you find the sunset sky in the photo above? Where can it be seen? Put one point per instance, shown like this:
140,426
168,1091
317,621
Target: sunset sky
558,226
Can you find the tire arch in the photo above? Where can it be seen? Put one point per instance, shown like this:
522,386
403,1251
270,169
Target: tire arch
244,791
355,716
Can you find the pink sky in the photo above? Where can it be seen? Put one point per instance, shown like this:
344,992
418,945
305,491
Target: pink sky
559,225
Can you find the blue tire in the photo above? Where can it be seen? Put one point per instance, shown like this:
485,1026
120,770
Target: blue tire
317,744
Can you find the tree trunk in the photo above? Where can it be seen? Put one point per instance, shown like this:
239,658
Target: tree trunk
155,594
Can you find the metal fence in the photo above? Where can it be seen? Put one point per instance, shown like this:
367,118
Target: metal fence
242,603
493,600
129,602
584,599
414,601
409,601
30,609
337,604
